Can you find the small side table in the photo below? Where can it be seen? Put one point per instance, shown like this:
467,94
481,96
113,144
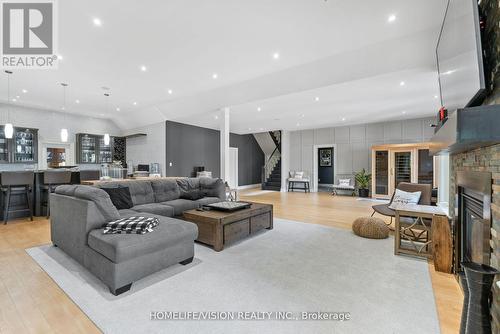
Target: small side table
232,194
427,235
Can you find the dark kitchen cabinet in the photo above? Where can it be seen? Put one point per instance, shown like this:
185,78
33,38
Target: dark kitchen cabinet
25,145
21,148
91,149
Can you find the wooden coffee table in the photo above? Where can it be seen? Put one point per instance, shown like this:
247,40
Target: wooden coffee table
220,228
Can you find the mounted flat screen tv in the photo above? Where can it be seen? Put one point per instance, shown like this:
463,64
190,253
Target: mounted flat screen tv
459,56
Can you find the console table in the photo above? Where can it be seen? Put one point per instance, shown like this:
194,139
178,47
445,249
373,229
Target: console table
428,234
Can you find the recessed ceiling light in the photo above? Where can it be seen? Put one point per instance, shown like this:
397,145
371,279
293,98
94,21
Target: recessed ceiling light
143,68
215,76
216,116
62,108
14,100
18,97
60,57
249,129
343,119
170,91
77,101
403,112
402,83
435,96
97,22
298,124
302,115
391,18
259,109
316,99
276,56
134,103
24,91
117,109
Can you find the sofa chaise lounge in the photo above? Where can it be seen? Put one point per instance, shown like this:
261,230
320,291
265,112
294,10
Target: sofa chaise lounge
78,213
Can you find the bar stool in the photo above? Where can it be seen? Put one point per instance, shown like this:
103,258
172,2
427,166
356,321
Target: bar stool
16,183
52,179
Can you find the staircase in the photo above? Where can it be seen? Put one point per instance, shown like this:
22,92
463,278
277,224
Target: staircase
271,172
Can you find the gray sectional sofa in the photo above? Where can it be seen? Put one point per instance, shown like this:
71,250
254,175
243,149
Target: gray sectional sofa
78,213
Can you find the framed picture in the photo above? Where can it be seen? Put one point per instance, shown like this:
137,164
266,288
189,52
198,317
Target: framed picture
325,157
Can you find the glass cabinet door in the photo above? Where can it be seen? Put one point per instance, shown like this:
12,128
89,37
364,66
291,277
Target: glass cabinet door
425,167
88,149
105,154
4,147
381,180
24,145
402,167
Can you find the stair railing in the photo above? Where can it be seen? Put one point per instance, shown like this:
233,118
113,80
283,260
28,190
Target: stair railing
270,164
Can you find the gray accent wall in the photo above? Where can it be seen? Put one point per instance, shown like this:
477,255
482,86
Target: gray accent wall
353,143
188,146
250,158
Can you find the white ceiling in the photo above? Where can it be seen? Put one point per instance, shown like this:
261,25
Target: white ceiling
344,52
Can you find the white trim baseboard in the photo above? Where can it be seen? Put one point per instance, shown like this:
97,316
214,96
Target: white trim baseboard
249,186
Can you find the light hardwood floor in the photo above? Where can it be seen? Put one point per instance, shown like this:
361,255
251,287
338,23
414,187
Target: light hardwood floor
30,302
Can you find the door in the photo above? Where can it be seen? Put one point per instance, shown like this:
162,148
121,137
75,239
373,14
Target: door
402,169
380,170
233,168
325,166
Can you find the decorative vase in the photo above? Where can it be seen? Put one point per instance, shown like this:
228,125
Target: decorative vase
480,278
363,192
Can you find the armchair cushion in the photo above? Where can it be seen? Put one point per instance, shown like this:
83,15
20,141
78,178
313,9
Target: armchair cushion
405,198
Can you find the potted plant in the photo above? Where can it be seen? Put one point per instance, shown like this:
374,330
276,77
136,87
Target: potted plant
363,182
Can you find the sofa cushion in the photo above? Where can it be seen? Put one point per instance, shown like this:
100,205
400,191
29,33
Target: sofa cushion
127,212
96,195
155,208
193,195
180,205
122,247
213,187
120,197
208,200
165,190
187,186
141,191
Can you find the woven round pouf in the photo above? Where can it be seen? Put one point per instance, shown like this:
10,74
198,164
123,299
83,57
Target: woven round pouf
370,227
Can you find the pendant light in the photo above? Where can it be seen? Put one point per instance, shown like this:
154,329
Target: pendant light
107,138
64,131
9,128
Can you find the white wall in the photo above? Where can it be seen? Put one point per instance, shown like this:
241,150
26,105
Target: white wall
49,124
354,143
285,158
265,142
149,149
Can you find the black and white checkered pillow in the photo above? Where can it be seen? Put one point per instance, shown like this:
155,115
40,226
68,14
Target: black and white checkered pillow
131,225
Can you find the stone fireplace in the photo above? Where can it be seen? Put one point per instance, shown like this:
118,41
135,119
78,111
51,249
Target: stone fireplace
473,217
468,176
